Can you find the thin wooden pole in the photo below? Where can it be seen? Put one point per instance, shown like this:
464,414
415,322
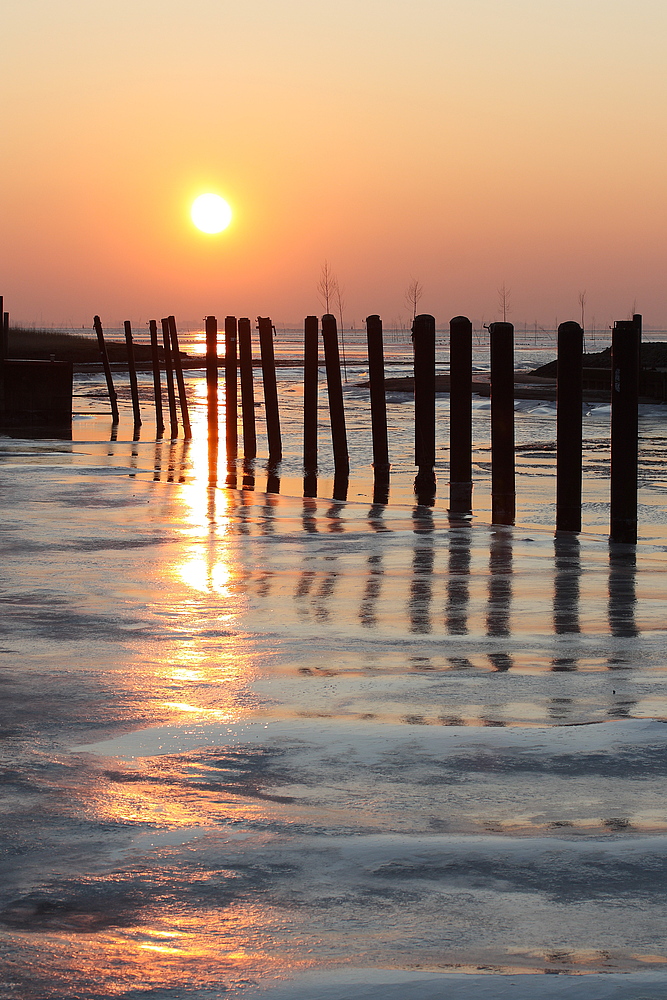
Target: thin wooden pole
113,399
247,389
169,376
503,488
335,392
310,380
178,368
157,387
625,347
270,388
568,427
460,415
132,371
212,377
4,331
423,339
231,388
378,398
423,336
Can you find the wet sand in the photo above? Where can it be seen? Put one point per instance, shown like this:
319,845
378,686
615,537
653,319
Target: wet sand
261,745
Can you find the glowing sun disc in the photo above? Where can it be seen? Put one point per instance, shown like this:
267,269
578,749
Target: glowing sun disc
210,213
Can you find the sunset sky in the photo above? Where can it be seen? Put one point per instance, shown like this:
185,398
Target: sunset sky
466,143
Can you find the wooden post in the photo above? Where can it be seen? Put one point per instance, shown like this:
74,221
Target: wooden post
4,331
460,415
178,368
568,427
169,375
231,388
423,340
132,371
625,347
247,390
113,399
211,325
310,380
157,387
270,389
335,393
378,398
310,483
340,484
503,488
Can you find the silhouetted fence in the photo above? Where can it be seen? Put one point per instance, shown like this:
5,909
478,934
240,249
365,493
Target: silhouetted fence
624,395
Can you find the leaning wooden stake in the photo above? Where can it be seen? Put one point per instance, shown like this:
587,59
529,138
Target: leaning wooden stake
503,489
132,371
247,389
460,415
568,427
270,388
335,392
157,387
113,399
178,368
625,347
169,376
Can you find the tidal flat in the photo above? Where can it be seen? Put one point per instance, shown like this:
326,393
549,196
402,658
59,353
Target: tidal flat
261,745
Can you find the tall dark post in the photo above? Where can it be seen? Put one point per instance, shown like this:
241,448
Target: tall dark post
231,388
211,325
157,387
625,346
460,415
113,399
310,378
568,427
378,397
247,390
4,331
335,393
169,376
503,489
265,327
132,371
178,368
423,339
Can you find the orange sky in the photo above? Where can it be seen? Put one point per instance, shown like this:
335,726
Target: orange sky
466,143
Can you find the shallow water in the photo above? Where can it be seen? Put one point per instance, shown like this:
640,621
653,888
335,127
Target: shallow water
261,745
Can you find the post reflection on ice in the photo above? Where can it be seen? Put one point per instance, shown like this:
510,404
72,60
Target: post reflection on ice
500,593
458,580
567,577
622,591
421,584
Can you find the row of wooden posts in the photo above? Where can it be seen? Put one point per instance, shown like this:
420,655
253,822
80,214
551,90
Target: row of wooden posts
626,341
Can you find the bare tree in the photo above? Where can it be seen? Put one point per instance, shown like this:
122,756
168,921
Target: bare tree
340,304
326,286
413,294
504,296
582,304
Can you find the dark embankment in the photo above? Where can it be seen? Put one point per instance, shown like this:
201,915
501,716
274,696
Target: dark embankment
46,345
654,356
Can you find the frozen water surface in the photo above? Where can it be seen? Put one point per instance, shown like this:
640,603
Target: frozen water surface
256,745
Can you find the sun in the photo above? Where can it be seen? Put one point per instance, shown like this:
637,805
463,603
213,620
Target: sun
210,213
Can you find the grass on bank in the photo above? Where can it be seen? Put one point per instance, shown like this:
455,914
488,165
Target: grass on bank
46,345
